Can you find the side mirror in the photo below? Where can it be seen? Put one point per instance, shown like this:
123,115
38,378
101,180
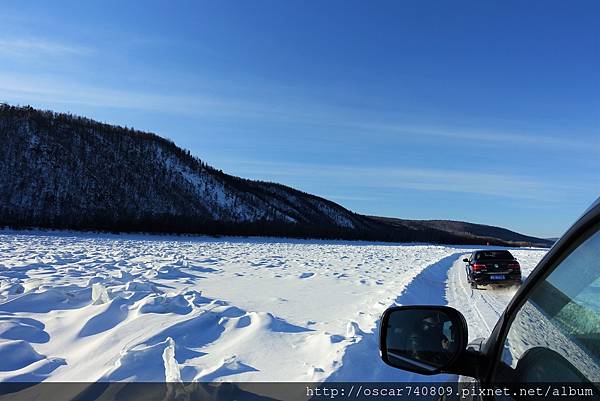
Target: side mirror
466,260
422,339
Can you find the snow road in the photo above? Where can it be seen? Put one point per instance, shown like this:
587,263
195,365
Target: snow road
483,307
199,309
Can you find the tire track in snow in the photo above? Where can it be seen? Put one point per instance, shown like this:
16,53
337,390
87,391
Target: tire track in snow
482,307
459,290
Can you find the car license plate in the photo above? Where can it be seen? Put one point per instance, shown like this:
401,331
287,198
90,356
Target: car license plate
497,277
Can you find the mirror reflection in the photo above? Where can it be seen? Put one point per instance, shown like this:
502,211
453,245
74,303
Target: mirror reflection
425,338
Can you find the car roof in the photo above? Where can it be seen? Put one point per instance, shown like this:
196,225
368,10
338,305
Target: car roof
595,204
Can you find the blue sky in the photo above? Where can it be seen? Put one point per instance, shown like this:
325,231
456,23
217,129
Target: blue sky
487,112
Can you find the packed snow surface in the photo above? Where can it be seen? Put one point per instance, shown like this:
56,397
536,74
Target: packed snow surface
77,307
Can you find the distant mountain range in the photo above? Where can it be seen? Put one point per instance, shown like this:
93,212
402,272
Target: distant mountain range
66,172
476,232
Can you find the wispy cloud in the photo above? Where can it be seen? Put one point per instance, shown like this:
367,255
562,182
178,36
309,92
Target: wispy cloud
265,105
482,136
349,198
29,88
36,47
413,178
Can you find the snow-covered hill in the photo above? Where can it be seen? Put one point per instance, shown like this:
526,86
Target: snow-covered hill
67,172
153,309
62,171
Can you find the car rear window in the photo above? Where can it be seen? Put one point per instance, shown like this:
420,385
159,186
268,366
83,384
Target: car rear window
491,255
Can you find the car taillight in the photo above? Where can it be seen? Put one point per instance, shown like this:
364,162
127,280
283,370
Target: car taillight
478,266
514,266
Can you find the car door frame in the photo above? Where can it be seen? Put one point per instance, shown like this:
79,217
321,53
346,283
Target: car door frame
588,224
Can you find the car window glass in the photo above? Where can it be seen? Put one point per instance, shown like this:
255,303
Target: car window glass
555,335
494,255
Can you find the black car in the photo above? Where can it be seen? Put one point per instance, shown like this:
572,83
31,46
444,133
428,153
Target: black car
492,267
546,343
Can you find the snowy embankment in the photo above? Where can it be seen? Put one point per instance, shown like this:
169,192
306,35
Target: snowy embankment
89,308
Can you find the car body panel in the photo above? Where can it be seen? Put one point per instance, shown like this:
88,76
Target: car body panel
497,270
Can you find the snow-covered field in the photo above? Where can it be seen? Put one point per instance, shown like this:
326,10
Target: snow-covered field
77,307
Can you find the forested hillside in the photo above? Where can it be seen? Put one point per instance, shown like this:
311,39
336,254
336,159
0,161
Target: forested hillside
67,172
